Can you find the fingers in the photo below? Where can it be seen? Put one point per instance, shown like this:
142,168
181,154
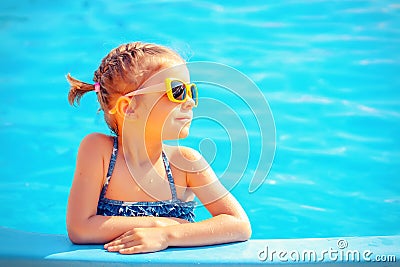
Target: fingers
129,248
120,246
139,240
137,249
130,232
121,242
117,240
133,250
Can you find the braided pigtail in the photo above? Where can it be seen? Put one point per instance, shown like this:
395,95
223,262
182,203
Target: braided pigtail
77,90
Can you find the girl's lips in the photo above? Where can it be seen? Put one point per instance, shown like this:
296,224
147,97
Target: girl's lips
184,119
180,116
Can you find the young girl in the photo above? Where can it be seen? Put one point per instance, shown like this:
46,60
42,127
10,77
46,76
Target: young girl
130,191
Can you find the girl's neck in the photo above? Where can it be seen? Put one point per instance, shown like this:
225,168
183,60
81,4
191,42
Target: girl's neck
140,152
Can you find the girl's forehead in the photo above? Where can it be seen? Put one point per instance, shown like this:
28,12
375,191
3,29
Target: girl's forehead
178,71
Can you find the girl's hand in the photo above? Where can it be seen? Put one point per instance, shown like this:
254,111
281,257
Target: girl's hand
139,240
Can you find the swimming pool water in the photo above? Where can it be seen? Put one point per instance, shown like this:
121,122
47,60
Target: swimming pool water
329,70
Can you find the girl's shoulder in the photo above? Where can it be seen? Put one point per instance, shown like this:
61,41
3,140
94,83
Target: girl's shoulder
96,143
181,151
185,158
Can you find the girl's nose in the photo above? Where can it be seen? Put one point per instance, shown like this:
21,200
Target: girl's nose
188,104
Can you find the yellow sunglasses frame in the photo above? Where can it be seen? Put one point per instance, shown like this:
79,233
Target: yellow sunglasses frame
168,89
168,86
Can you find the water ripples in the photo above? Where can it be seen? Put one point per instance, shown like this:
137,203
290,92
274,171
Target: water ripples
329,70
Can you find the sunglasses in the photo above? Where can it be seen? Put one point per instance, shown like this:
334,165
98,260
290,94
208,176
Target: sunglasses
177,91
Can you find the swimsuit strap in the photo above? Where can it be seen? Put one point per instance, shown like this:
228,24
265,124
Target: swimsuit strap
110,167
170,177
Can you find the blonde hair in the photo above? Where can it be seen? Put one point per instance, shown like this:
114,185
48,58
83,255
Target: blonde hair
123,70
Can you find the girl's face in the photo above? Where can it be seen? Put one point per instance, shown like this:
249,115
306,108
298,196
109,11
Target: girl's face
162,117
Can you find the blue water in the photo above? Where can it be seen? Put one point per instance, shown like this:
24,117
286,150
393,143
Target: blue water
329,70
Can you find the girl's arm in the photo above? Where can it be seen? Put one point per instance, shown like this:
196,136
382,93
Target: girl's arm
83,225
228,224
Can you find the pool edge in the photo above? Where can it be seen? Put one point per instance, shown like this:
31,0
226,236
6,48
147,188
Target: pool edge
38,249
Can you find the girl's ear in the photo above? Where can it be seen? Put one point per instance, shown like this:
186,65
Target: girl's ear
126,107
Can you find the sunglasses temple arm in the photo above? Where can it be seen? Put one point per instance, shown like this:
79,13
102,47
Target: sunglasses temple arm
150,89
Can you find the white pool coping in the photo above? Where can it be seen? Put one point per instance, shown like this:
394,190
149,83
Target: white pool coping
36,249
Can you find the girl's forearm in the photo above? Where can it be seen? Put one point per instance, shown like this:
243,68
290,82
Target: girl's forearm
101,229
216,230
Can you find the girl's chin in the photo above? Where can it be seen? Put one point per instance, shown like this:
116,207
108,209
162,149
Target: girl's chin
183,133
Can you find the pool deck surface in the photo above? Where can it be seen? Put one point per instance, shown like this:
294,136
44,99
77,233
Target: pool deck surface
18,248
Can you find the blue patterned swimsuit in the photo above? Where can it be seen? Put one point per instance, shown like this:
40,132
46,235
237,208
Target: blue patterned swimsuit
165,208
